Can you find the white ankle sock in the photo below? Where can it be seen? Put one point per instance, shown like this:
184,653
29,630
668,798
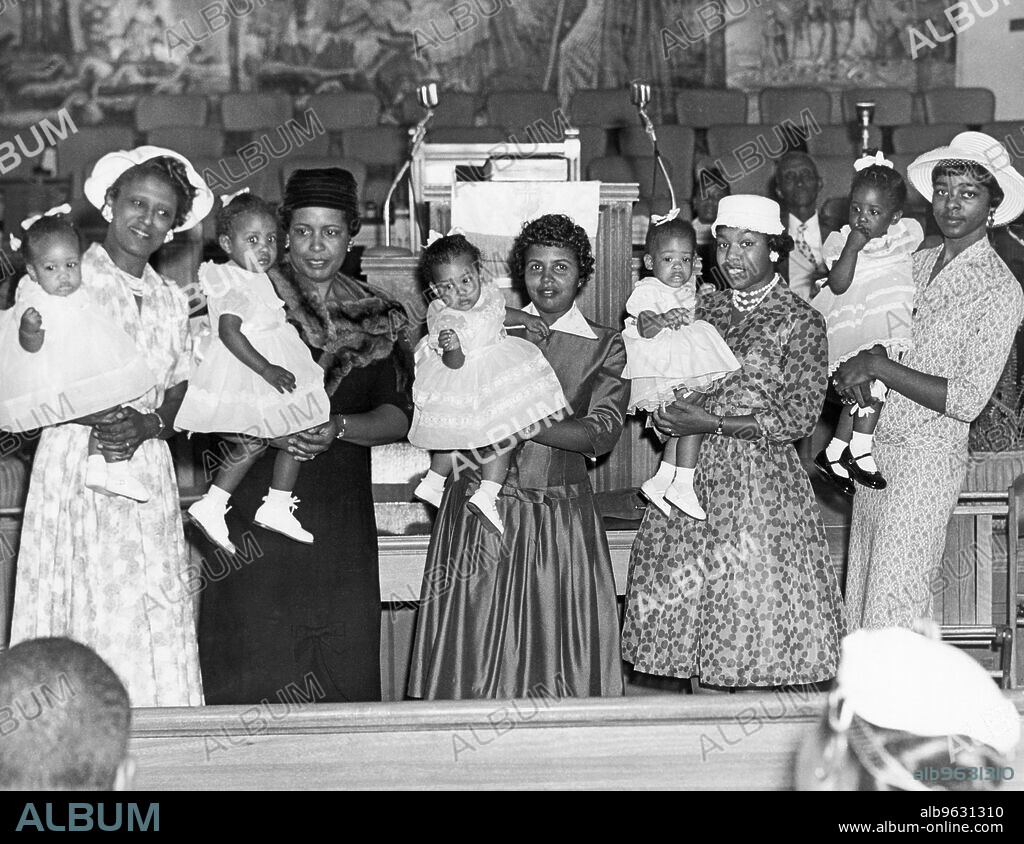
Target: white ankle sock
684,477
278,496
218,495
490,489
833,451
433,479
861,444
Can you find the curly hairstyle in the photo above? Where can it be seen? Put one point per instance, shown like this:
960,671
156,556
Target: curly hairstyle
443,251
885,179
244,203
552,230
671,228
972,170
165,167
781,243
57,226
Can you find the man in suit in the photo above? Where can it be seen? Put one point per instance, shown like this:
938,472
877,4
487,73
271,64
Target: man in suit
797,185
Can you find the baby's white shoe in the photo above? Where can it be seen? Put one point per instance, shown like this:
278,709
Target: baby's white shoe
685,499
654,492
276,513
119,481
485,509
208,515
96,474
426,491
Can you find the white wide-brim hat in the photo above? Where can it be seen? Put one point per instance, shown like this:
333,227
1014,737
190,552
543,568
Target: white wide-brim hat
984,150
110,167
751,212
900,680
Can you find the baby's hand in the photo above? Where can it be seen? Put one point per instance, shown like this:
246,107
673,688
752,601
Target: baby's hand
536,326
279,378
31,321
448,340
858,238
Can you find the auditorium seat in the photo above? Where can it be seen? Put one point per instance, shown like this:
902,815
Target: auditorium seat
466,135
973,106
638,169
345,110
608,107
245,114
454,108
836,173
917,138
787,103
514,110
893,106
761,144
77,153
191,141
377,145
1010,133
704,107
595,142
841,140
901,161
676,144
156,110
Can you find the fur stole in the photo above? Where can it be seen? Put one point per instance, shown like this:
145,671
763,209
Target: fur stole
360,327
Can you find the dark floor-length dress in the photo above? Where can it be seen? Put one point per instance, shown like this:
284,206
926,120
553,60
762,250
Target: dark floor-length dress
532,612
748,597
288,613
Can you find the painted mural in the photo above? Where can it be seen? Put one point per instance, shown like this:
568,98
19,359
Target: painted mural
95,57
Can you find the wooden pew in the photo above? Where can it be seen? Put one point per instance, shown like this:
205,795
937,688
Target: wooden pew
742,741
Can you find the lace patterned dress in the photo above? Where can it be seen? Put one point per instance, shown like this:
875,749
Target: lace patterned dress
504,386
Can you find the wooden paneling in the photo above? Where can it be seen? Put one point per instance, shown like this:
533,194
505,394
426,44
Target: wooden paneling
744,741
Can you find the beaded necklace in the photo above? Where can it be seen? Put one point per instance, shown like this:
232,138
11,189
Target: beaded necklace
746,302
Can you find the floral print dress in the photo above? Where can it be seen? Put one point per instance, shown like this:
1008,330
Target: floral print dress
748,597
106,571
963,324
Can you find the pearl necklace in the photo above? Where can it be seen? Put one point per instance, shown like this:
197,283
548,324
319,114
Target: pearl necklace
746,302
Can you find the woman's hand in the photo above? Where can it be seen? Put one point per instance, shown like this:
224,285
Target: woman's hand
104,417
536,327
120,438
678,318
682,419
279,378
448,340
853,378
305,445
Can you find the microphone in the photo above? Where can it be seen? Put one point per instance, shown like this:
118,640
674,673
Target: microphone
640,95
427,97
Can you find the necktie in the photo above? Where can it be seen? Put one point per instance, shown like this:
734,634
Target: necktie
803,247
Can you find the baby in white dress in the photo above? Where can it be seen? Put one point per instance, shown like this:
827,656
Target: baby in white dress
257,381
61,358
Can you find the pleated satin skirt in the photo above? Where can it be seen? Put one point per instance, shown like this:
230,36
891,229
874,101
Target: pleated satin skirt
527,614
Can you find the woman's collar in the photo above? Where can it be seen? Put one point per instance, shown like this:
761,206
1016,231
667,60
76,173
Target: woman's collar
149,278
571,322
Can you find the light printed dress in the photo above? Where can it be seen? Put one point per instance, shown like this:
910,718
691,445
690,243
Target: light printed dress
964,322
106,571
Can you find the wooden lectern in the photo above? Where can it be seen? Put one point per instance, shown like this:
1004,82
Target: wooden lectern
602,300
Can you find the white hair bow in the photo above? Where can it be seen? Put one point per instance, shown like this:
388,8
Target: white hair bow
876,160
28,222
225,198
661,219
433,236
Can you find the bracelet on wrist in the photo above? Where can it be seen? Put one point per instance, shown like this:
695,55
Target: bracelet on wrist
342,425
719,430
160,423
